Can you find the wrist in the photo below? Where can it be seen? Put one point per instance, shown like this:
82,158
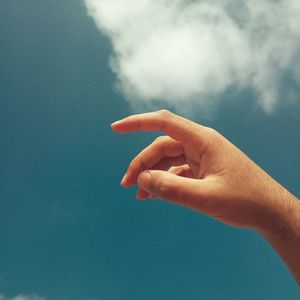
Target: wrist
283,232
283,218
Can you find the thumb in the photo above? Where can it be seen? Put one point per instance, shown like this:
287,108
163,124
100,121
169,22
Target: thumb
167,186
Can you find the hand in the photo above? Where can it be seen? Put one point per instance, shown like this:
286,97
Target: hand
210,175
197,167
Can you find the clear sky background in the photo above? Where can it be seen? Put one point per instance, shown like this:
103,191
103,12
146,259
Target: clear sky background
67,229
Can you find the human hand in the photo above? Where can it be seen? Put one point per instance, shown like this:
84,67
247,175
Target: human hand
198,168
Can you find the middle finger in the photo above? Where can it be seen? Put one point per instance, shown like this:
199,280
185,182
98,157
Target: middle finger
162,147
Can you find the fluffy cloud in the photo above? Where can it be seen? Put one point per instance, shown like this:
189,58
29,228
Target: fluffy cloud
181,51
22,297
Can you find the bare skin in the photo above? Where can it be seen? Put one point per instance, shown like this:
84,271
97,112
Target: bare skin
196,167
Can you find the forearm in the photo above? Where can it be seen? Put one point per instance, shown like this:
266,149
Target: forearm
283,231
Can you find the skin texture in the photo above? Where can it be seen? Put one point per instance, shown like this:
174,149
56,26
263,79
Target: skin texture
196,167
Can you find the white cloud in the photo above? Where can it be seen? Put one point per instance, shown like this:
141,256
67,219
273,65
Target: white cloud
22,297
179,51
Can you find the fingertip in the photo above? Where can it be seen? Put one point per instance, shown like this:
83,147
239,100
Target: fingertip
125,182
115,123
116,126
120,126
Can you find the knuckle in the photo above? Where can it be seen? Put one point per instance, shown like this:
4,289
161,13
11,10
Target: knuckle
165,114
160,139
168,191
141,165
164,188
211,131
136,164
213,136
160,185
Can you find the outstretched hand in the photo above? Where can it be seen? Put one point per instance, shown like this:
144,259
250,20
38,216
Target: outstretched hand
195,166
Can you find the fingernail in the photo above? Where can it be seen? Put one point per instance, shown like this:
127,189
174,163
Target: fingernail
115,123
123,181
144,180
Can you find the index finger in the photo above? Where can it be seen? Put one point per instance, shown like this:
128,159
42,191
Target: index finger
173,125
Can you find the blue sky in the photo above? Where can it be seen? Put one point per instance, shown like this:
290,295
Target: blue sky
67,229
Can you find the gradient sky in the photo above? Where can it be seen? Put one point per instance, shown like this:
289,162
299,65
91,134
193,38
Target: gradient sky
67,229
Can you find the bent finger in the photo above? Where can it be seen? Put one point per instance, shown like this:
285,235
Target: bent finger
161,148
